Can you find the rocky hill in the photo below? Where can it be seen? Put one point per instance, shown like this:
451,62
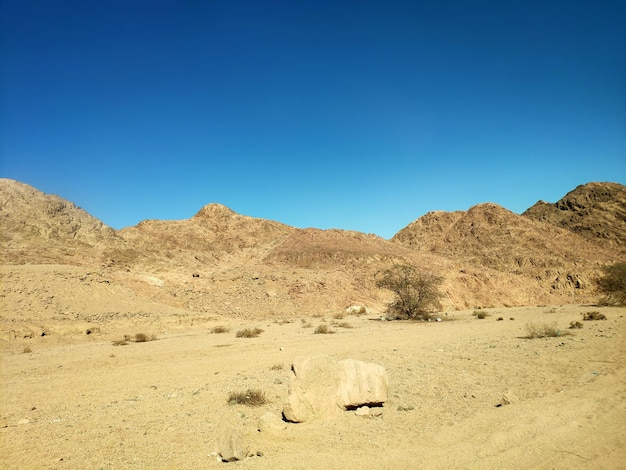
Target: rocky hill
597,211
226,263
44,228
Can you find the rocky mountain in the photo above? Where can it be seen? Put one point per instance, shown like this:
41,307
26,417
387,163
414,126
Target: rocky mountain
43,228
222,262
596,211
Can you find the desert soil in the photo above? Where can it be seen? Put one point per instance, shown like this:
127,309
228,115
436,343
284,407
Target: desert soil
72,400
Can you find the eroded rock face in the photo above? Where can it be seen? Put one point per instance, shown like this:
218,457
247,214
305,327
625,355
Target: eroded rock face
322,387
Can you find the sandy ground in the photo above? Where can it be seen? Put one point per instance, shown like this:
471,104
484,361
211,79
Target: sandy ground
81,402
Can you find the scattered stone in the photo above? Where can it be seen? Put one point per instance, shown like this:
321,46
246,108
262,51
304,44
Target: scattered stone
271,423
231,447
508,398
363,411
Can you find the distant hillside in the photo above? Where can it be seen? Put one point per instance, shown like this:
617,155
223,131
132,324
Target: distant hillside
39,228
226,263
490,236
597,211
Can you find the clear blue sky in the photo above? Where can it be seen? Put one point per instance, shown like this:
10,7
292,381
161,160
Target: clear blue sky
360,115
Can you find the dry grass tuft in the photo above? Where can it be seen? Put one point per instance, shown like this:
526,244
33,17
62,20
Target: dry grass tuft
138,338
249,333
575,325
220,329
277,367
249,398
543,330
143,338
323,329
27,350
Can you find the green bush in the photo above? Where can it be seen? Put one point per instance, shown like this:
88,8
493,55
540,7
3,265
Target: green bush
593,316
613,284
417,292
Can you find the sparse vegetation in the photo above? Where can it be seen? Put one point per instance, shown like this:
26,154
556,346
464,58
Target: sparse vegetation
480,315
249,398
613,284
143,338
593,316
306,324
27,350
323,329
249,333
277,367
220,329
417,292
543,330
137,338
344,324
338,315
575,325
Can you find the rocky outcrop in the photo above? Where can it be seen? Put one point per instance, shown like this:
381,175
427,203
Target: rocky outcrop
596,211
322,387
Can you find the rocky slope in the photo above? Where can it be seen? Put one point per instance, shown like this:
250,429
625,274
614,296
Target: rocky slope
44,228
220,262
597,211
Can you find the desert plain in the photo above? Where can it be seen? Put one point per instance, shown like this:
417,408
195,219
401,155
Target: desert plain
463,393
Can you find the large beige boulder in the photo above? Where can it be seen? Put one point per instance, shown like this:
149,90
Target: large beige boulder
322,387
361,383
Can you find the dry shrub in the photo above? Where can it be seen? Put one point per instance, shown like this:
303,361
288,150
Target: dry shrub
543,330
480,315
575,325
344,324
249,333
338,315
249,398
143,338
593,316
138,338
220,329
27,350
323,329
306,324
277,367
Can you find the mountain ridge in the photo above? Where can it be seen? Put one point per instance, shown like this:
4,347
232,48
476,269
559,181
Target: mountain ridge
248,266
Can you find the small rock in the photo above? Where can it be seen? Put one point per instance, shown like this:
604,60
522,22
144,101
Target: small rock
363,411
271,423
508,398
376,412
232,447
23,421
